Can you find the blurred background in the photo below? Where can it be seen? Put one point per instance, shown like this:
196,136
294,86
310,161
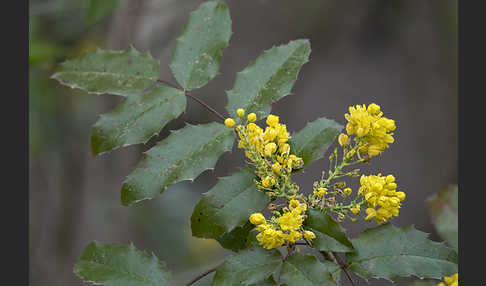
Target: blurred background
399,54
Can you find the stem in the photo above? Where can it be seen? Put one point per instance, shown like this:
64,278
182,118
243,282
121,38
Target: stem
202,275
334,258
193,98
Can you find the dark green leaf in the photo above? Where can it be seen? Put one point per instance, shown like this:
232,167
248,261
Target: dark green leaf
183,155
120,265
237,239
137,119
311,142
248,267
116,72
444,211
390,252
306,270
330,236
227,205
197,54
268,79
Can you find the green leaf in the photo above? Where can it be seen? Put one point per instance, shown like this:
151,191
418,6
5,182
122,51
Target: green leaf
237,239
116,72
183,155
306,270
98,9
268,79
390,252
137,119
197,53
330,236
227,205
444,212
311,142
120,265
248,267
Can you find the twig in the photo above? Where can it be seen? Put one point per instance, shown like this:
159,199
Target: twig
335,259
202,275
193,98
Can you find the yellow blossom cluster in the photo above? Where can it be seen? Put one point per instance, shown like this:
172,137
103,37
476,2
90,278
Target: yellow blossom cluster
266,147
380,192
452,280
286,229
373,132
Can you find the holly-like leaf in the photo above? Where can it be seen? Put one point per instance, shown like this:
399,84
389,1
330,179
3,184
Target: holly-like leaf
268,79
306,270
237,239
389,252
137,119
120,265
183,155
197,54
444,212
330,236
115,72
248,267
311,142
227,205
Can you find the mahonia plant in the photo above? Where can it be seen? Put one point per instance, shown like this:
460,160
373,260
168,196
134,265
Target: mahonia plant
258,212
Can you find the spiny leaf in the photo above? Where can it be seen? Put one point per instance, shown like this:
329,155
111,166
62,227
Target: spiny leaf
306,270
311,142
389,252
116,72
237,239
137,119
330,236
444,211
268,79
183,155
120,265
197,54
227,205
247,267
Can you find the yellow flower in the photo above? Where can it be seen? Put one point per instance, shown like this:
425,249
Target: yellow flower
452,280
320,192
309,235
229,122
291,220
347,191
270,148
343,139
268,181
272,120
240,112
276,168
356,209
252,117
257,218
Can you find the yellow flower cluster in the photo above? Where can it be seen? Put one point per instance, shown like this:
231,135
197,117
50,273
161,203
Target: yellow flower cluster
380,192
452,280
373,132
269,144
286,230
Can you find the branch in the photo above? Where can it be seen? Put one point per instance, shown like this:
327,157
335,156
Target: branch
193,98
202,275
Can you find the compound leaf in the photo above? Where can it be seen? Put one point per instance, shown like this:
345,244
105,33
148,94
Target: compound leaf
137,119
197,55
120,265
227,205
183,155
116,72
248,267
268,79
389,252
311,142
306,270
